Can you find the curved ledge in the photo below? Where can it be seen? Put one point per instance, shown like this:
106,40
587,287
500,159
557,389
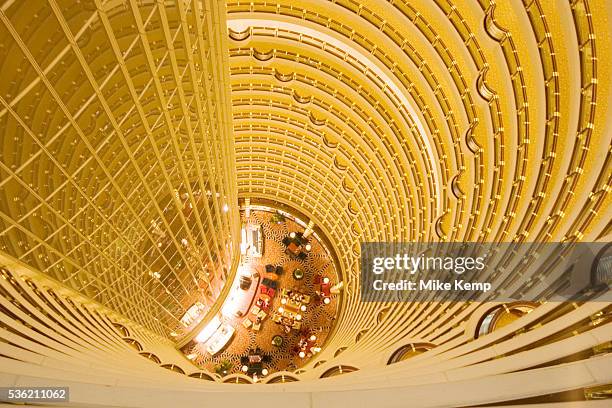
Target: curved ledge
382,314
454,186
151,357
263,55
319,363
239,35
316,121
237,379
469,138
340,163
409,350
361,334
301,99
283,77
439,230
135,344
329,141
282,378
201,375
339,351
483,90
174,368
352,207
493,30
348,185
338,370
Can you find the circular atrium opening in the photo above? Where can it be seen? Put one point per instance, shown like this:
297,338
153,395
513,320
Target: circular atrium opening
282,304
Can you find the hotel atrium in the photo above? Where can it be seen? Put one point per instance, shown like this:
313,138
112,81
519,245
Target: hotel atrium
186,187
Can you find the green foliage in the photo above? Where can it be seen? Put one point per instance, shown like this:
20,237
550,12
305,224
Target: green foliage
277,218
224,367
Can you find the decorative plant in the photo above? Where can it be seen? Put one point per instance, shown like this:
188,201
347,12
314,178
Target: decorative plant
224,367
277,218
277,341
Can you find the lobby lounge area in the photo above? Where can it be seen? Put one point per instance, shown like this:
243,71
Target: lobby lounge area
287,310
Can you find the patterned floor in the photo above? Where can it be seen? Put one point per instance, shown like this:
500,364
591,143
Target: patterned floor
319,317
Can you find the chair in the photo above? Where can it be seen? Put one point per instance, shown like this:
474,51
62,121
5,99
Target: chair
245,282
271,276
301,256
269,268
278,270
286,241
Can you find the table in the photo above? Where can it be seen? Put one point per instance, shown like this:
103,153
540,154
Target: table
287,294
290,315
293,304
294,248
